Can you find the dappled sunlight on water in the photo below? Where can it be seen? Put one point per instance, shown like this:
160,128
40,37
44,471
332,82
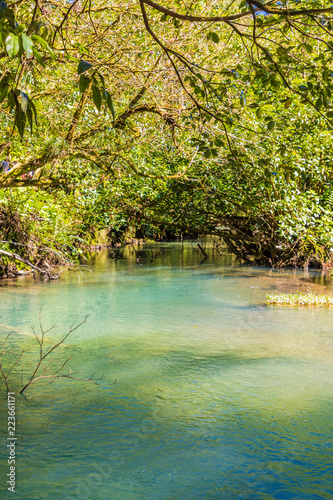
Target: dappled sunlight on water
207,392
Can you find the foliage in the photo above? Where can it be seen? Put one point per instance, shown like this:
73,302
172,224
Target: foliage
300,299
47,228
162,119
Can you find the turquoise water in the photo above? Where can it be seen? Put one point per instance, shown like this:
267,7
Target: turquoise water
207,393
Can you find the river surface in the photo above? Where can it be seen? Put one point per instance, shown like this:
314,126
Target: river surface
207,393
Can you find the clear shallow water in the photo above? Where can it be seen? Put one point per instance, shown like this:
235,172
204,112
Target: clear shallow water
207,393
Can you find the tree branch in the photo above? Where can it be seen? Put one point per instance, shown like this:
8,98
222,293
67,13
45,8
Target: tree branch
186,17
14,256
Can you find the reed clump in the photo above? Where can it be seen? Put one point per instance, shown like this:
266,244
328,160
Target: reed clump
300,299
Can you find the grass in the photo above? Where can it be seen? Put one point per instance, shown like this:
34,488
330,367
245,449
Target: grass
300,299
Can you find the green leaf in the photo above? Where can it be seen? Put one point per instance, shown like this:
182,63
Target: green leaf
319,102
109,103
30,117
83,67
308,48
24,102
282,150
83,83
96,95
38,57
43,43
271,125
27,44
33,109
68,57
326,101
219,142
215,38
20,120
12,45
197,90
326,74
275,83
7,13
259,113
101,78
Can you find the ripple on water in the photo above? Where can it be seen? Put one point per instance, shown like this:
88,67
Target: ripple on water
207,393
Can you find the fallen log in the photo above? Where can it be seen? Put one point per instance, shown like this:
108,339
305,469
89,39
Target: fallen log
14,256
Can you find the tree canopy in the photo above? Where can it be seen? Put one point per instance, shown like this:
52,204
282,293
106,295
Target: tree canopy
205,116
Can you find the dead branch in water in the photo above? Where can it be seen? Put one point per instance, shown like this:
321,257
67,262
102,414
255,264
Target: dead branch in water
42,371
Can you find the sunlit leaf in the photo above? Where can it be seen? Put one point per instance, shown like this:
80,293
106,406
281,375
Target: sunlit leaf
27,44
12,44
259,113
24,102
43,43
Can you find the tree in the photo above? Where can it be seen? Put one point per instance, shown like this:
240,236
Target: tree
220,101
183,73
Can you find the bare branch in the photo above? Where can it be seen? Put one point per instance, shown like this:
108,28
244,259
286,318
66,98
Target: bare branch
1,367
42,355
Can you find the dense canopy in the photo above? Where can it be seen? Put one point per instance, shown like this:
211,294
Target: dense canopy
154,118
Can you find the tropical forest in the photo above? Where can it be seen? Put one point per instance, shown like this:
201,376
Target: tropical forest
166,249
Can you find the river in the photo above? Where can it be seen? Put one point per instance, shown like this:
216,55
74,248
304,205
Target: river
207,392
